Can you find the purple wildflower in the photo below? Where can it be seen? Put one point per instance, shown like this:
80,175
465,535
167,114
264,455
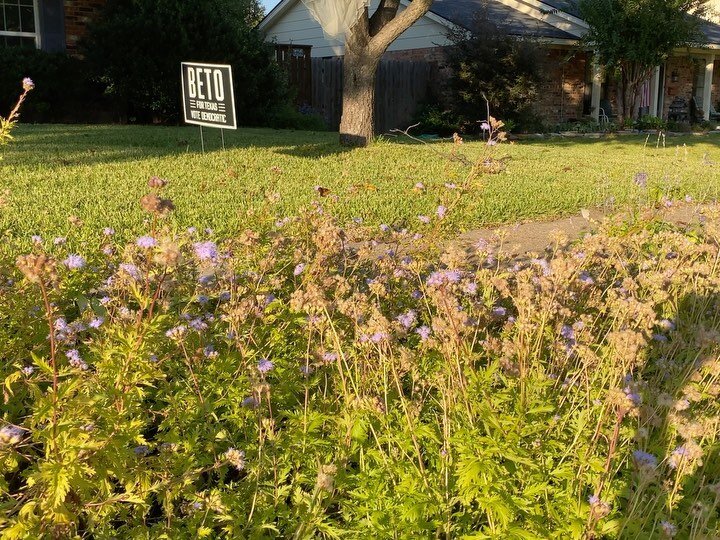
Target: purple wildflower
146,242
206,251
408,319
424,219
96,322
641,179
424,333
28,84
74,262
177,332
499,311
265,365
76,360
299,269
108,231
441,211
131,270
645,459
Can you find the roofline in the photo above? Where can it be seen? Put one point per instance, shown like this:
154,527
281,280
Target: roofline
549,15
275,12
534,8
284,5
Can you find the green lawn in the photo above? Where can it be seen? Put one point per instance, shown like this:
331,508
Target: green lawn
98,173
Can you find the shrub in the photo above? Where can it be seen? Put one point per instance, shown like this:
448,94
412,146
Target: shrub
285,383
651,122
136,48
288,117
488,62
64,92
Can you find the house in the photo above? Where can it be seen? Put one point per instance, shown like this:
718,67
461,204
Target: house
50,25
572,88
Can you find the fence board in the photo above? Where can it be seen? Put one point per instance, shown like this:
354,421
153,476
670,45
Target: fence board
401,86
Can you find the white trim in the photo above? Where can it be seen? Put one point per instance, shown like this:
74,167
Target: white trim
552,16
38,39
563,14
283,6
276,12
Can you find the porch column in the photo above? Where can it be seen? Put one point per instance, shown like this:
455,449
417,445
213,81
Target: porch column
707,86
596,92
655,92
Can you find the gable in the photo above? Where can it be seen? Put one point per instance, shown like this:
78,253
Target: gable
291,23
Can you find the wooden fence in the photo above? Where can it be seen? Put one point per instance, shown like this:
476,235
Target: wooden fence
401,86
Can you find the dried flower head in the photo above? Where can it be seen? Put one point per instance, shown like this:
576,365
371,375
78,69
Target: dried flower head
326,478
155,182
37,268
157,206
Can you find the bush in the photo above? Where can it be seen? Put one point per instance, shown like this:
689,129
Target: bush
651,122
437,120
64,93
288,117
136,47
285,384
488,62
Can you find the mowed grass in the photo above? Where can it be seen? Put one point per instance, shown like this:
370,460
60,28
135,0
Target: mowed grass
98,174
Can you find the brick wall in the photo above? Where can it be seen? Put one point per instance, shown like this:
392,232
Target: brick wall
562,91
685,69
78,13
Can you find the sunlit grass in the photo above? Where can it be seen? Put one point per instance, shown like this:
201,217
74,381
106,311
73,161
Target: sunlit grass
98,173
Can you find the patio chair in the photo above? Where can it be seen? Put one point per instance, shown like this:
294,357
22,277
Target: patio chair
714,115
605,112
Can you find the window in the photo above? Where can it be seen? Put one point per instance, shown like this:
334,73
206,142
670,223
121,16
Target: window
18,23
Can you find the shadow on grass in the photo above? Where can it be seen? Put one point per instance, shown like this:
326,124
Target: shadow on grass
71,145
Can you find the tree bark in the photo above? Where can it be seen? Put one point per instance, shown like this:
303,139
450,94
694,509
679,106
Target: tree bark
365,44
357,127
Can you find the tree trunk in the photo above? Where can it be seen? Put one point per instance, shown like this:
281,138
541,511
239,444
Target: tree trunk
358,116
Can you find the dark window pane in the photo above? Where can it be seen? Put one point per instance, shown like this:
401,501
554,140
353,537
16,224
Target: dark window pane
17,41
12,18
27,19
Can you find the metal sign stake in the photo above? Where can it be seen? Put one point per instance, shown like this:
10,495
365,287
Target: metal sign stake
222,135
202,140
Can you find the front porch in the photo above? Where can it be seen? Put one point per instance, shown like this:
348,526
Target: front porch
685,89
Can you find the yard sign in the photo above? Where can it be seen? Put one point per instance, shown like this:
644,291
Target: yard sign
208,97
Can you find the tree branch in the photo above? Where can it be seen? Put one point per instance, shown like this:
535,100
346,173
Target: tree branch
397,25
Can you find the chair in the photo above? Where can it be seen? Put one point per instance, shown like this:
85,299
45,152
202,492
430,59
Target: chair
605,112
714,115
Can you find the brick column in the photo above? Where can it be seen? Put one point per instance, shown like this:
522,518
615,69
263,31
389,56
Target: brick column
78,14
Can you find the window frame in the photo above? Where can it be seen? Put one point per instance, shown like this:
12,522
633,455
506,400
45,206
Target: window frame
35,35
